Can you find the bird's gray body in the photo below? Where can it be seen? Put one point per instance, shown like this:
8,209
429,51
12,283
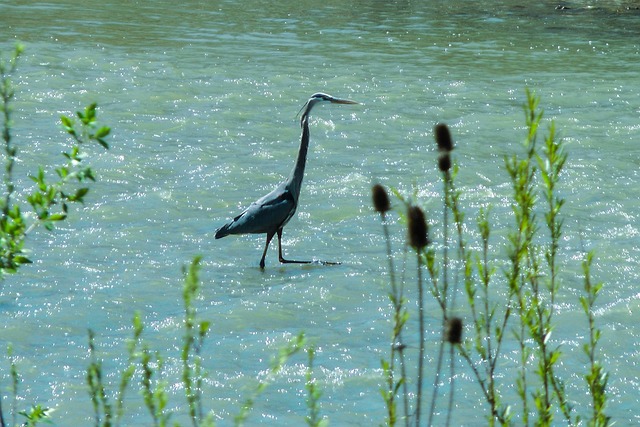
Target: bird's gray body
272,212
265,215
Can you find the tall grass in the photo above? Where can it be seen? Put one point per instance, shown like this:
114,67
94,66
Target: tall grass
516,303
146,367
55,189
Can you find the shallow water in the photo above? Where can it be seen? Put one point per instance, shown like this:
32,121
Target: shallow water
202,100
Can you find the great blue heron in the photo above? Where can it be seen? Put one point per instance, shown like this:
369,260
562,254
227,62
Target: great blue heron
272,212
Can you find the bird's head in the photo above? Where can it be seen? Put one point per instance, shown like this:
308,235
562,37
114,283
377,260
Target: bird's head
318,98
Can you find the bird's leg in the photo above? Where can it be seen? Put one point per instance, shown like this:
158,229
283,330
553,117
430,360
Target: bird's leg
286,261
266,246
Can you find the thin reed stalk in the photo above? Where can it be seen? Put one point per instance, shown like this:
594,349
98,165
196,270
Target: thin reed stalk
382,206
446,299
533,283
418,237
596,376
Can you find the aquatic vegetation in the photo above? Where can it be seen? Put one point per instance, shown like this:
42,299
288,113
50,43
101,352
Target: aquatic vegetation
519,306
49,200
154,389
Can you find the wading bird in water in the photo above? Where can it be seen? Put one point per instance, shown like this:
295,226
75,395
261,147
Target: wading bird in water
272,212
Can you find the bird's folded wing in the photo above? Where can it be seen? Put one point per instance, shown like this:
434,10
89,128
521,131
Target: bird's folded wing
265,215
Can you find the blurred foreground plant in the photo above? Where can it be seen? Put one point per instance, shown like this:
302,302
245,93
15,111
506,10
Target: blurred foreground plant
49,199
523,302
149,365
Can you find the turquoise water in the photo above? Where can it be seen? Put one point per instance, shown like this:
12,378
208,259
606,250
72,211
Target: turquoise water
202,98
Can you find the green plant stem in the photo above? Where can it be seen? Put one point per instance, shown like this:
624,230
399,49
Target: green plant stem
444,295
194,336
453,198
15,380
596,377
293,346
397,346
551,165
484,323
397,304
7,93
129,371
421,345
313,419
452,372
522,248
436,382
103,414
486,327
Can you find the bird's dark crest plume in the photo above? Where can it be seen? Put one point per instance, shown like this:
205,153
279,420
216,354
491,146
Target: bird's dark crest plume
272,212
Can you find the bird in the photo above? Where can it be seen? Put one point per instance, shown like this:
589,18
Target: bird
272,212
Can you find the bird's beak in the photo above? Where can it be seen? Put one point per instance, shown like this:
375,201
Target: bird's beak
342,101
312,101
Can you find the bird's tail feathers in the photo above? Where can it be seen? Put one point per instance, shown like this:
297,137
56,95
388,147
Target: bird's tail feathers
223,231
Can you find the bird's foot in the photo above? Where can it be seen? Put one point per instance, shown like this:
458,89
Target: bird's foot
288,261
291,261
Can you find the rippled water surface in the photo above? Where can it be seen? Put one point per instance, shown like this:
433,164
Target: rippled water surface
202,99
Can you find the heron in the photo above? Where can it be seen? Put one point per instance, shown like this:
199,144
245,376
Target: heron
272,212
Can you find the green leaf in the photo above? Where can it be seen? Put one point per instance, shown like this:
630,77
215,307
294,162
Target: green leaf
62,172
89,115
80,193
204,327
58,217
35,199
103,143
102,132
20,259
67,123
86,174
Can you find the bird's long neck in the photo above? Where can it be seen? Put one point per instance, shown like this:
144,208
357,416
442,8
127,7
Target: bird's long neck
295,180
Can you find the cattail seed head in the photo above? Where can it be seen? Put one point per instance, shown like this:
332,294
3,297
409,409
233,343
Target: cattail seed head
443,138
444,162
453,331
418,228
380,199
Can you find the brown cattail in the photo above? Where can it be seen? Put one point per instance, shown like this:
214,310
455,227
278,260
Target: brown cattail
444,162
453,331
418,229
380,199
443,138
